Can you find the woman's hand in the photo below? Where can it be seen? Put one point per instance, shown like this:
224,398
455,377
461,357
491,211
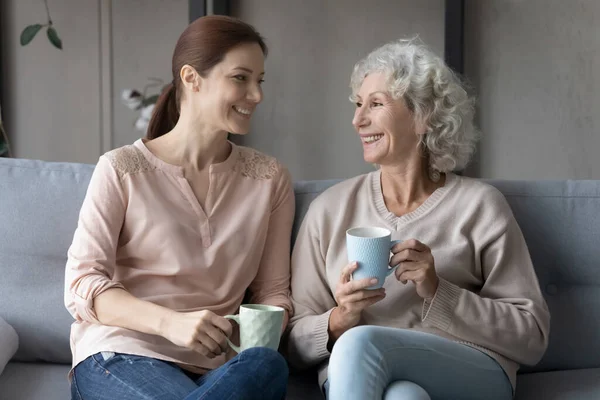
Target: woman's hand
202,331
352,298
416,264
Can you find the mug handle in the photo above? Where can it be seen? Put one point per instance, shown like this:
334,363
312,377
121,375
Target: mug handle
392,244
236,318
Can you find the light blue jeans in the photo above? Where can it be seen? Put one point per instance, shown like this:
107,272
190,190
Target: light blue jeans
372,362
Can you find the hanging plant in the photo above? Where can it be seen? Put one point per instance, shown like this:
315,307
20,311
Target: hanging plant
27,36
31,30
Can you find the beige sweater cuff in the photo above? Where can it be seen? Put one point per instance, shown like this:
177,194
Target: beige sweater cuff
321,333
438,311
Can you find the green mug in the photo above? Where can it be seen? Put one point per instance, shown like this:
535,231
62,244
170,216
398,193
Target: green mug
260,326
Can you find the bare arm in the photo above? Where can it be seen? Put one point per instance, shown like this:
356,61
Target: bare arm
118,307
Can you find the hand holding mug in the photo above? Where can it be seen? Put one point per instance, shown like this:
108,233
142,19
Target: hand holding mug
202,331
260,326
352,296
416,263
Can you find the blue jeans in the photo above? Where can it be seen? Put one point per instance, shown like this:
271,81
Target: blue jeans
372,362
257,373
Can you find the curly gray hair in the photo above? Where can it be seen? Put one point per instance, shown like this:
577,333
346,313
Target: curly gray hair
435,96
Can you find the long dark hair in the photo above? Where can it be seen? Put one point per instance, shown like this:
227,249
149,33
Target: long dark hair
202,45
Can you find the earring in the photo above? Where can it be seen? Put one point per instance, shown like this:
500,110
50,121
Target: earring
434,174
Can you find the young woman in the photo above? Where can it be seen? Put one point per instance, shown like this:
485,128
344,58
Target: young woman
176,230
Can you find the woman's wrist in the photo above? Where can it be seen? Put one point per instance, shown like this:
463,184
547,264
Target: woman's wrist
338,324
165,319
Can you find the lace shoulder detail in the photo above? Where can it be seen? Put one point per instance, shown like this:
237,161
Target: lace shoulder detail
128,160
256,165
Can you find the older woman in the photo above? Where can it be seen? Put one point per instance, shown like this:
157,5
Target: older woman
465,307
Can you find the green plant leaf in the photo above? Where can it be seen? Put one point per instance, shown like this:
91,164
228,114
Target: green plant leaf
53,37
149,100
29,33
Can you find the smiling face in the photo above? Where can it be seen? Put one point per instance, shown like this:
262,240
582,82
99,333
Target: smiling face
385,125
227,96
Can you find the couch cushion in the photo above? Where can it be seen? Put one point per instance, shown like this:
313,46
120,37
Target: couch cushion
32,381
39,207
561,224
583,384
306,192
303,386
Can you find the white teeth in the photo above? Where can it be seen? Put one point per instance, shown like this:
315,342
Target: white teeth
242,110
371,139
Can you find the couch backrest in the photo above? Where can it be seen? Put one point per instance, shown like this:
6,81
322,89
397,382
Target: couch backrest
39,206
561,224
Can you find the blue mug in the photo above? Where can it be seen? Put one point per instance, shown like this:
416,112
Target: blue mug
370,247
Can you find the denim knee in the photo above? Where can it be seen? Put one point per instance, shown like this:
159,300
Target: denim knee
354,340
352,347
405,390
273,366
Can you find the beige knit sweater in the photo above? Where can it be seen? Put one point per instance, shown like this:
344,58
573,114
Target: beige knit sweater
488,298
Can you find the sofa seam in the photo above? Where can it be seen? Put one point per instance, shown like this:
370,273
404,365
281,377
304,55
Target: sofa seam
45,169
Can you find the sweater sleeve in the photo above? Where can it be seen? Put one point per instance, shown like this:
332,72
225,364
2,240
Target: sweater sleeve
272,282
509,314
91,256
313,301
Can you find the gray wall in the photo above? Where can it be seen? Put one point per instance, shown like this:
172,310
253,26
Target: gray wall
144,36
535,66
52,100
305,118
64,105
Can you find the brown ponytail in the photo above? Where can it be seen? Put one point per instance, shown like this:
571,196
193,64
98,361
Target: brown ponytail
165,113
203,44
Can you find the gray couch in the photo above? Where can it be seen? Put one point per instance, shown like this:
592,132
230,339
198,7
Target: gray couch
39,204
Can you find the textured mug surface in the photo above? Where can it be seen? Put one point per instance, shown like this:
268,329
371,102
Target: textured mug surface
370,247
260,326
